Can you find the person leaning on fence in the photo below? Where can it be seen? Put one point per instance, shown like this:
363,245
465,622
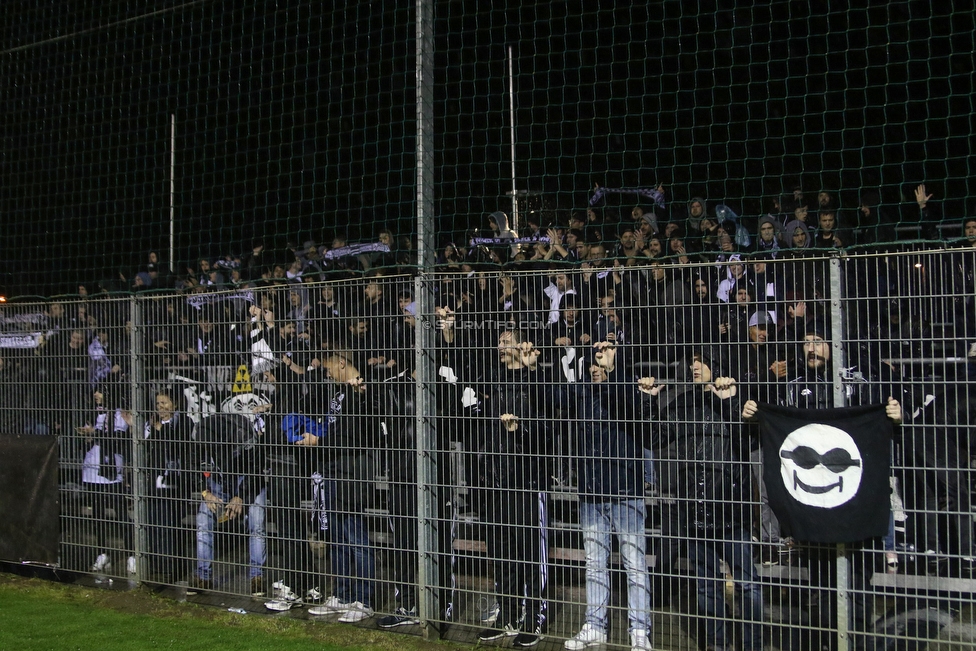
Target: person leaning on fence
167,440
302,458
690,430
399,426
517,475
813,388
106,435
936,446
611,494
348,452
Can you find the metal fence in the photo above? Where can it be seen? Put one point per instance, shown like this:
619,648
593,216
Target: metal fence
487,455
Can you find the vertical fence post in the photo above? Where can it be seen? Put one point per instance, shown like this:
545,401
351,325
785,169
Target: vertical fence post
138,410
427,492
840,400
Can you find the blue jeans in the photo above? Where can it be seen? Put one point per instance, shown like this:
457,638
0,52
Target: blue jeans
599,520
257,539
353,559
737,552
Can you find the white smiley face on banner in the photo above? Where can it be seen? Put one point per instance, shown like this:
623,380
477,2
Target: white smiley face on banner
821,466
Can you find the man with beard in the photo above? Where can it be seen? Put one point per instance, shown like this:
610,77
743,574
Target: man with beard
814,389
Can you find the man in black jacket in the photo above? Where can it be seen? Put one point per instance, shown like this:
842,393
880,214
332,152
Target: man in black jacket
702,467
516,507
814,388
348,447
167,441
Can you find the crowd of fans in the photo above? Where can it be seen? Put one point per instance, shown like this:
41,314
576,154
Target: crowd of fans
608,356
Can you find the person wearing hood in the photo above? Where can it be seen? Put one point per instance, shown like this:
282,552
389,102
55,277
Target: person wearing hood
736,275
697,213
809,270
798,235
770,239
498,222
730,222
689,427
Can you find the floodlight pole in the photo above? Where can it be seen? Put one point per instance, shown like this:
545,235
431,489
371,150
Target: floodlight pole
172,192
511,125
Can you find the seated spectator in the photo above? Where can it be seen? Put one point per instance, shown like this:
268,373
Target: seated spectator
233,487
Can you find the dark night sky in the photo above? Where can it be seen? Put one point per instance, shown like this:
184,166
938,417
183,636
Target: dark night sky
293,117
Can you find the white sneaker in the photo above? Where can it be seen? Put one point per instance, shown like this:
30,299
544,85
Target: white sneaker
331,606
313,595
130,565
588,636
357,612
281,605
102,564
639,641
490,616
279,589
283,598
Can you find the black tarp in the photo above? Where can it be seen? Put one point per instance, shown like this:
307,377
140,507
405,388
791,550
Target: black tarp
29,505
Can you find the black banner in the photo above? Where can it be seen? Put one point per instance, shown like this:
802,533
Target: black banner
29,506
826,471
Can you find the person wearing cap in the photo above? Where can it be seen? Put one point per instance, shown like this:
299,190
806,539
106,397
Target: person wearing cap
498,222
697,212
644,221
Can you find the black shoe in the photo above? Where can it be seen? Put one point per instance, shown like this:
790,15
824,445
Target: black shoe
508,630
402,617
523,640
